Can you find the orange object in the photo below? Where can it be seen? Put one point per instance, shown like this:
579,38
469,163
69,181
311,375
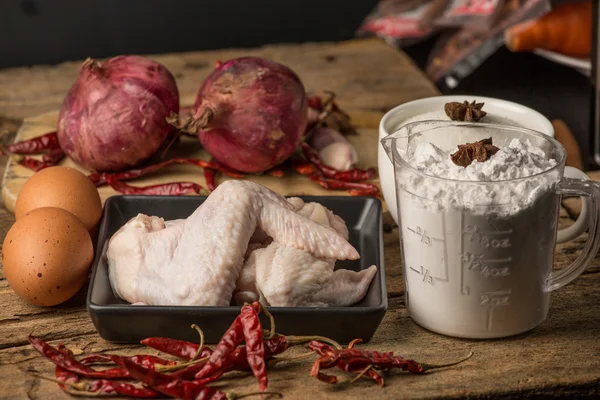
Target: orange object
567,29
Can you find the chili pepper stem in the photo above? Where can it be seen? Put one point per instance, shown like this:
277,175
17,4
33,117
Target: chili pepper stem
271,334
427,367
79,386
176,136
81,393
295,340
233,396
197,328
168,368
277,360
327,104
362,373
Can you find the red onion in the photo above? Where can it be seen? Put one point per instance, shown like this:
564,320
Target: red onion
114,116
250,114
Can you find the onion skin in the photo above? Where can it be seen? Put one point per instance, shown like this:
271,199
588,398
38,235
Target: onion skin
251,114
114,116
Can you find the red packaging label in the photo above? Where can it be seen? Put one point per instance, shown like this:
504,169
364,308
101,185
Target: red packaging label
480,8
399,26
396,26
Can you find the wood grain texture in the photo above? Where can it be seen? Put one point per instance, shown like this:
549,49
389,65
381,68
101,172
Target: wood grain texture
375,78
558,358
366,74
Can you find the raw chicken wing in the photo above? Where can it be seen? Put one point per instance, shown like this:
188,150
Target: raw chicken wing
197,261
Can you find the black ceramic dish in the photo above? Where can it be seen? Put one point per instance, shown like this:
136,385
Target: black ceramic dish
118,321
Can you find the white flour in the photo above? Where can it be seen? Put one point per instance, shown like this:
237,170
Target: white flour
477,248
517,160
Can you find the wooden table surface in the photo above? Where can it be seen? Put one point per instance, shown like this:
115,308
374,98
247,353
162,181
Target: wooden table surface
561,357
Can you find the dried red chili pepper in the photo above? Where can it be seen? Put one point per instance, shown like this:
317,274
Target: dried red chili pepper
315,102
237,360
48,141
102,387
255,349
172,189
357,361
232,338
325,350
353,175
371,192
314,174
323,103
146,360
30,162
175,347
62,374
209,164
69,381
357,187
329,114
173,386
277,172
209,176
69,363
107,387
53,157
96,359
186,350
100,178
370,372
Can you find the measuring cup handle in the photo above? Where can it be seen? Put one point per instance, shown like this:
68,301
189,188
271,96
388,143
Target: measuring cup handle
590,195
581,224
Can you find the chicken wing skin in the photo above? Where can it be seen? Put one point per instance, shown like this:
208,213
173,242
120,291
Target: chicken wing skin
197,262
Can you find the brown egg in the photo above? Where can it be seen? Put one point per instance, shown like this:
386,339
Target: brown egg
65,188
46,256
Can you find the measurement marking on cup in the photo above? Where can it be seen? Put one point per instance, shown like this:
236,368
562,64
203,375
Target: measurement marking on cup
476,262
446,275
494,222
487,239
427,278
492,300
425,238
464,290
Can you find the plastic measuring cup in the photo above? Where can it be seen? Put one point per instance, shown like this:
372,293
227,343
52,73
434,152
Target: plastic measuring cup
475,266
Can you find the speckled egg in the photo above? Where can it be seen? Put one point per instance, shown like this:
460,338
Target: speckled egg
65,188
46,256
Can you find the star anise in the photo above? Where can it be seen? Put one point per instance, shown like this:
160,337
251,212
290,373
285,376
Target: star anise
480,151
464,111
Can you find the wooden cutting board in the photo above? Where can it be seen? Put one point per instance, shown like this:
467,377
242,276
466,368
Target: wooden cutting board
290,184
368,76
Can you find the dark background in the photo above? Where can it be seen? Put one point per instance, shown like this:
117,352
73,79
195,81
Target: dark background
557,91
52,31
